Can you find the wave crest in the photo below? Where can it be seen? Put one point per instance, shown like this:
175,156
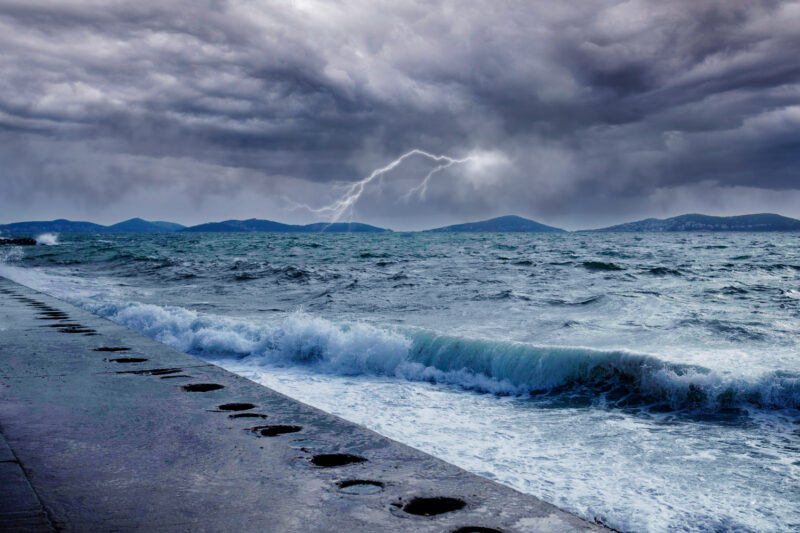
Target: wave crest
617,378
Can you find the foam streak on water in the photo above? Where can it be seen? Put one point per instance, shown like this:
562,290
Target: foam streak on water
650,381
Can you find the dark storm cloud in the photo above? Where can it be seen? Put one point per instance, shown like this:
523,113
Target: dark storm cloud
592,107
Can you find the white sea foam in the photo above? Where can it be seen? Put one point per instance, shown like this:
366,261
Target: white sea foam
487,366
47,239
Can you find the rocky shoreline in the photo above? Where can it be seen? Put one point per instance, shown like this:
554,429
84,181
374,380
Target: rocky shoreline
18,242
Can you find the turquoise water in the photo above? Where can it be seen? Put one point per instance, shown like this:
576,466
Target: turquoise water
651,381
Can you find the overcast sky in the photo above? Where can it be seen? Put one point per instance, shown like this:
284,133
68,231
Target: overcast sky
576,114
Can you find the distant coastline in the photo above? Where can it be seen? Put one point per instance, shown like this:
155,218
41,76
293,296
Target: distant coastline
761,222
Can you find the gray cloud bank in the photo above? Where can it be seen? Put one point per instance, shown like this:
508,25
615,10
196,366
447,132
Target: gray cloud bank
581,112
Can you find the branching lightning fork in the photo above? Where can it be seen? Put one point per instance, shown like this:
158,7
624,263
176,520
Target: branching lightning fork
353,192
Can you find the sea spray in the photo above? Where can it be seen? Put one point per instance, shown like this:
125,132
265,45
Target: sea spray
47,239
11,254
487,366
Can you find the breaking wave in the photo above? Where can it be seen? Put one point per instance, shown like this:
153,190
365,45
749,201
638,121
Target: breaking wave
47,239
612,378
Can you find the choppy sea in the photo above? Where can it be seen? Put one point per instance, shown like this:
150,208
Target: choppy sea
650,381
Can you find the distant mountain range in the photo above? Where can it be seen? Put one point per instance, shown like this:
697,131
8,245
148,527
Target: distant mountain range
138,225
256,225
759,222
134,225
57,226
506,224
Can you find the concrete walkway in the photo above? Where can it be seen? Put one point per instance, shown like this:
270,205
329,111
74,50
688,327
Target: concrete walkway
105,429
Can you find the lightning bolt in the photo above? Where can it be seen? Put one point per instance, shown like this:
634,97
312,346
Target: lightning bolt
352,193
422,188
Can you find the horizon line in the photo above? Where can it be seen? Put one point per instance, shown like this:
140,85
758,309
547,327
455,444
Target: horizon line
300,225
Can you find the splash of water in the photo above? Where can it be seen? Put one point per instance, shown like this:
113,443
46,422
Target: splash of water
345,203
11,254
47,239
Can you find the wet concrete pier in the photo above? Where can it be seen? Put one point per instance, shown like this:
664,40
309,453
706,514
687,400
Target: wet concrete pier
102,428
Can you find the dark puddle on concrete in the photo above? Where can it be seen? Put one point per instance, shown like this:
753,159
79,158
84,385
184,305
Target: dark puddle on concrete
329,460
360,486
476,529
111,349
433,506
202,387
242,406
275,430
247,415
130,360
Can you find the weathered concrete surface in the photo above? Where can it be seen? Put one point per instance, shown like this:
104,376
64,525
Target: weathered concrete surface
20,508
104,450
